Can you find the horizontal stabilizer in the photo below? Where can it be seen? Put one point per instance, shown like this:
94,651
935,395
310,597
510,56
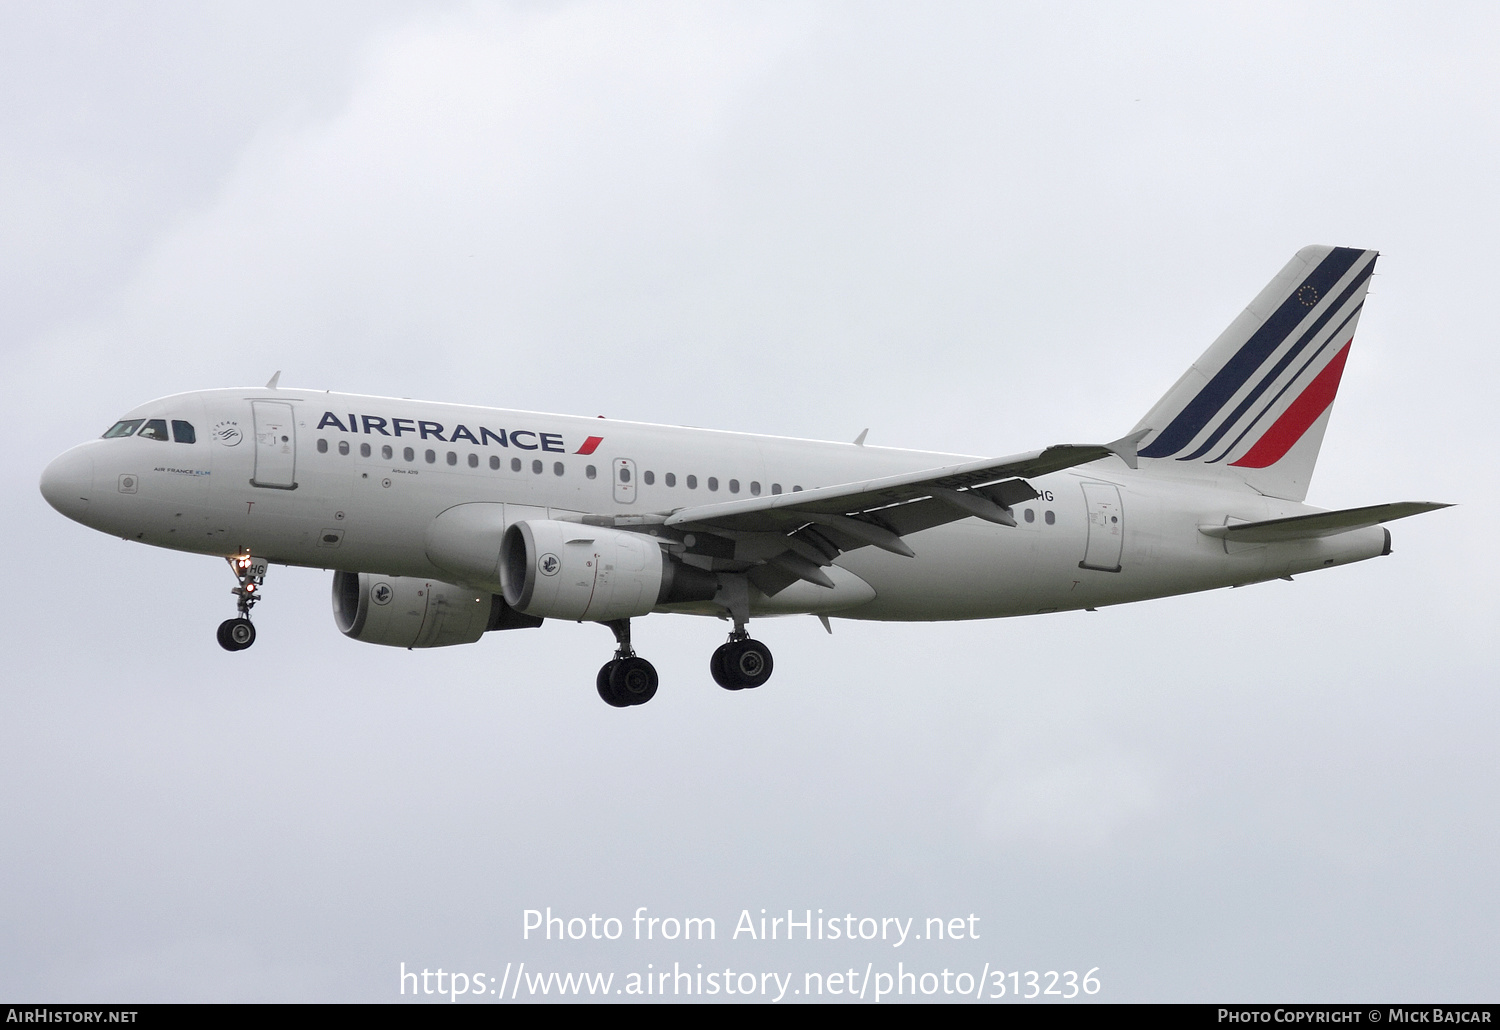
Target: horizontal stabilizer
1324,523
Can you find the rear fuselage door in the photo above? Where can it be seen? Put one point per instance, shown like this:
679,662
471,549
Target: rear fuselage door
624,473
275,445
1106,527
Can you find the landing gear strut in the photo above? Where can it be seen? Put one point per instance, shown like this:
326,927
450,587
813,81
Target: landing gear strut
742,663
238,634
628,679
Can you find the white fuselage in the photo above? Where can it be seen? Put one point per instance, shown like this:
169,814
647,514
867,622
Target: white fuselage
305,478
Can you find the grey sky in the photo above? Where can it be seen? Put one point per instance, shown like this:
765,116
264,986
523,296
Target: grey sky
968,227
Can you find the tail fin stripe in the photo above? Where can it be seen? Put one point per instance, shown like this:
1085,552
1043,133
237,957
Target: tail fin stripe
1266,380
1294,421
1272,332
1293,381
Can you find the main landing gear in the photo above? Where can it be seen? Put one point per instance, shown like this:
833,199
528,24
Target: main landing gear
238,634
628,679
741,664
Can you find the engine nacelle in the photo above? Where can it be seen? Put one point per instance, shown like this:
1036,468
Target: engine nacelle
566,570
403,611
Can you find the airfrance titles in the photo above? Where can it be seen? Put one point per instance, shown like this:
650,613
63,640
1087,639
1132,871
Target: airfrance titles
479,436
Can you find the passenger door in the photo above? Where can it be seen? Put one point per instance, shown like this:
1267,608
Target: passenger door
624,476
1106,527
275,445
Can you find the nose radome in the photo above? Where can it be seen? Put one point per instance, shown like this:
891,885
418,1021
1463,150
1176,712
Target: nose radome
68,482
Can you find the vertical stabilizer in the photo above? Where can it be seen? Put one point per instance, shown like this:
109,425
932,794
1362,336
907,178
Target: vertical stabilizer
1257,402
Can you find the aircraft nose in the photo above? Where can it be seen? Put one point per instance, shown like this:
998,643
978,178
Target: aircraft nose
68,482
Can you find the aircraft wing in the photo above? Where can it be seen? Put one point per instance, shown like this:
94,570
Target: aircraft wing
802,531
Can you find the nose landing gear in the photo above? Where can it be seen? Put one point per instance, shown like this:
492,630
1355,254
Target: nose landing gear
628,679
238,634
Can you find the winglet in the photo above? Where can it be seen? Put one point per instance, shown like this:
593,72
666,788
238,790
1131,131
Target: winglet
271,383
859,441
1124,447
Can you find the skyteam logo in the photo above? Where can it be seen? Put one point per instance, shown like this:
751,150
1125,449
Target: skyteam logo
548,564
381,593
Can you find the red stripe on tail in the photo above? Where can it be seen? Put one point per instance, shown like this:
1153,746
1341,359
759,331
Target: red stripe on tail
1288,429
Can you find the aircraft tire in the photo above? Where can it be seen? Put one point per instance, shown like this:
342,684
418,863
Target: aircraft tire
236,634
606,689
748,663
633,680
719,668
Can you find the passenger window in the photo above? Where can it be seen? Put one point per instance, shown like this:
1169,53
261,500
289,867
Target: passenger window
1050,518
590,472
1029,515
386,452
408,454
624,473
182,431
776,488
322,446
557,468
515,464
796,489
495,462
671,478
473,460
343,446
692,482
734,486
364,450
452,458
649,477
755,488
123,429
536,467
713,482
155,429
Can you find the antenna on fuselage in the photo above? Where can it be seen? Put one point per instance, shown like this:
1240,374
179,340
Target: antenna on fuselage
271,383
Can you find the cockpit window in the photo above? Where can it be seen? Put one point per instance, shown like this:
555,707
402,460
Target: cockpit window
182,431
123,428
154,429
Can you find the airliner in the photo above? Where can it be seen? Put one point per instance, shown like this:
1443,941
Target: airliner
442,522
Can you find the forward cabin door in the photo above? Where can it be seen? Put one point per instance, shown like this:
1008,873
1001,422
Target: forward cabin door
275,445
1106,527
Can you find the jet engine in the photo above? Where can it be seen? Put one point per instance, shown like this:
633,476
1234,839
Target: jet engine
405,611
566,570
